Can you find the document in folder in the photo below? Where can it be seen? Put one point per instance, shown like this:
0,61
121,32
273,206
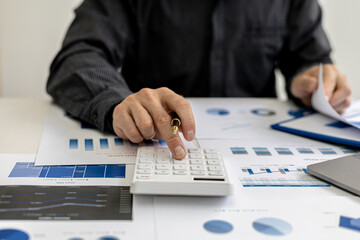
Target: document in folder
326,125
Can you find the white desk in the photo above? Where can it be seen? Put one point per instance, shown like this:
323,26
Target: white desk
310,214
21,122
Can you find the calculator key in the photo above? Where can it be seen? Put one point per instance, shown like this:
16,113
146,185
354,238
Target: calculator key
180,172
211,151
147,155
163,153
162,166
197,167
184,161
194,150
196,161
143,171
162,172
143,177
213,162
147,149
144,166
180,167
198,173
146,160
214,168
216,173
196,155
212,156
163,161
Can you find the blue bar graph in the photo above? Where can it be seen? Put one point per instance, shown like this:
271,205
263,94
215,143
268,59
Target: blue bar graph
95,171
305,150
238,150
89,145
73,144
350,223
250,171
262,151
118,142
283,151
327,151
348,150
104,144
27,169
115,171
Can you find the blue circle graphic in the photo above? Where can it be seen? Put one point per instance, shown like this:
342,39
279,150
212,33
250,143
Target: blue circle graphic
218,226
299,113
272,226
13,234
217,111
263,112
108,238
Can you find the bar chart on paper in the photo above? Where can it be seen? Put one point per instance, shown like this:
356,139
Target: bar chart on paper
287,151
28,170
104,144
289,176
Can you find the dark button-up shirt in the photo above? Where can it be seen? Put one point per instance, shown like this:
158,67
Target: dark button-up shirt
198,48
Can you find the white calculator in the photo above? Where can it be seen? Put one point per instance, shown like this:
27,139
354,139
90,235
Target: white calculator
201,173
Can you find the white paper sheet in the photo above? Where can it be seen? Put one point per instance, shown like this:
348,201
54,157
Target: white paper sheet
321,104
258,168
19,169
66,141
236,118
219,218
141,227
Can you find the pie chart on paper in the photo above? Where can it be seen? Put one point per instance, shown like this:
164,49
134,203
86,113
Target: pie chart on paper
272,226
13,234
217,111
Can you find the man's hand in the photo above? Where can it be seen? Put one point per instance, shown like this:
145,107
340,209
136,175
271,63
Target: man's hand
147,115
336,87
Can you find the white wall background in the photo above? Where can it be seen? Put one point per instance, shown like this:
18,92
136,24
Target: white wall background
31,32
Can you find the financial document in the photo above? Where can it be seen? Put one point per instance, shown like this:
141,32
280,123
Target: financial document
236,118
70,202
66,141
322,105
258,167
19,169
261,218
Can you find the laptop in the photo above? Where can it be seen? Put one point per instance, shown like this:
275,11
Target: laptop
343,172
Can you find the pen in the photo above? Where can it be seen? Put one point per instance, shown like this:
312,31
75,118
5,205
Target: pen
175,124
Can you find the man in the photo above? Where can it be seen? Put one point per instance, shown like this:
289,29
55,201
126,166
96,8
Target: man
123,63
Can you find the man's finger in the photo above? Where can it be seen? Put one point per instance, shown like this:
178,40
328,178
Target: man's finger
340,108
342,91
178,104
143,121
162,121
329,80
129,128
303,86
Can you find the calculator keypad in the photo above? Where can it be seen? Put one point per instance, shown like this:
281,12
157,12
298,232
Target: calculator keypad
159,162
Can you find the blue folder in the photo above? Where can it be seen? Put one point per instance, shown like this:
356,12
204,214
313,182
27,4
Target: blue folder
320,127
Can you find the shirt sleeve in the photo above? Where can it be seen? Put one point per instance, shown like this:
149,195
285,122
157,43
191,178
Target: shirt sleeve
85,76
306,43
